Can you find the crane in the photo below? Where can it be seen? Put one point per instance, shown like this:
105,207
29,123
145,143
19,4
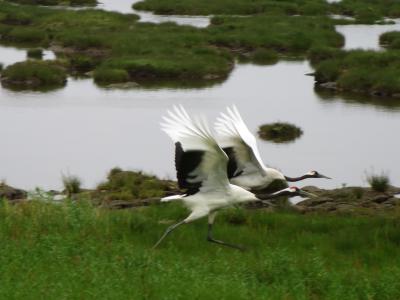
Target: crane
245,166
201,167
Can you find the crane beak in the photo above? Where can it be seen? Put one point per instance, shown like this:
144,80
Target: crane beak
323,176
305,194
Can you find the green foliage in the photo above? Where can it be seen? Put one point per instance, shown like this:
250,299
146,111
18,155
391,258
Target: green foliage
1,67
73,248
378,182
72,184
279,132
33,74
130,185
390,40
35,53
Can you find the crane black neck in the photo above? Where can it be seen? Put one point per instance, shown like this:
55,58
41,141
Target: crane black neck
294,179
274,195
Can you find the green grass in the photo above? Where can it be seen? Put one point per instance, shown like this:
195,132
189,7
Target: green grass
34,74
279,132
77,251
234,7
285,35
390,40
36,53
365,72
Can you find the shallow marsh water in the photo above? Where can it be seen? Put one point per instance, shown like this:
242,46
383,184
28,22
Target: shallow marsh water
365,36
126,7
85,130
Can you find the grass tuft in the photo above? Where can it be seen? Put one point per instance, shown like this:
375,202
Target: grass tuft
72,184
279,132
34,74
390,40
36,53
379,182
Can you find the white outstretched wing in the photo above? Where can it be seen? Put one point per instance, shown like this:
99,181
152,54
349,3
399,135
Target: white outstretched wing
241,145
200,161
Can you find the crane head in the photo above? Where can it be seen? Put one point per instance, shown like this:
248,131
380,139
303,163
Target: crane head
316,174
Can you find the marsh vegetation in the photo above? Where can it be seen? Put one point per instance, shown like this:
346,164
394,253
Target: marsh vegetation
34,74
367,72
73,248
279,132
390,40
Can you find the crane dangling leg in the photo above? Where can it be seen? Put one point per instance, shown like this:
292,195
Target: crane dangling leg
193,216
168,231
211,218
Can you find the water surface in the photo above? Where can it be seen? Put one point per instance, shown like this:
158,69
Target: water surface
126,7
365,36
85,130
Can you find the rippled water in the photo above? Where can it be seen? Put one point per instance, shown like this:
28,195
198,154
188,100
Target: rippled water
85,130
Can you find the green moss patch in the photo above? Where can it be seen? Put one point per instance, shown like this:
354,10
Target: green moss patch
279,132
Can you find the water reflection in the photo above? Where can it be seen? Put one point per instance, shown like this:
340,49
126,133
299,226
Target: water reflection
383,103
86,131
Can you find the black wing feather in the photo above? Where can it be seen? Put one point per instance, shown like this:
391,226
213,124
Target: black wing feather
233,168
185,163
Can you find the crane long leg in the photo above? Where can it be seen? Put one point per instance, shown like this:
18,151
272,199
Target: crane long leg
211,218
193,216
168,231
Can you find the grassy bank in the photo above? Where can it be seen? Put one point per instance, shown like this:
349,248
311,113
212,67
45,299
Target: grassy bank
236,7
390,40
366,72
77,251
370,12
